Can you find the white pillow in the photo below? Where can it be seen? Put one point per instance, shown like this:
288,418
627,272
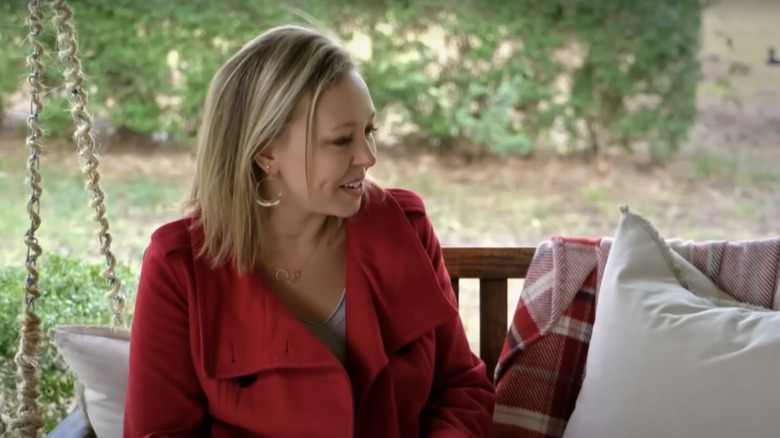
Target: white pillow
670,356
99,357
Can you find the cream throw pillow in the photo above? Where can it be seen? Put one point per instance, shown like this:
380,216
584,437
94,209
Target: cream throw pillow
99,357
673,356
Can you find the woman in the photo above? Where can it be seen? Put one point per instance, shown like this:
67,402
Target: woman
296,298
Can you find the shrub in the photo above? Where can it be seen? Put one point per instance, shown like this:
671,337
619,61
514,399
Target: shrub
507,76
73,293
513,74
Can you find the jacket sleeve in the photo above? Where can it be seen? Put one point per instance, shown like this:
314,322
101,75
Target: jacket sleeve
164,398
462,401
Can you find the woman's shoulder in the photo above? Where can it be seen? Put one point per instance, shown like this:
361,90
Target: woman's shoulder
392,201
174,236
408,200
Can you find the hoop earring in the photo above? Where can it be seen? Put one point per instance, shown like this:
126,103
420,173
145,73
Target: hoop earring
264,202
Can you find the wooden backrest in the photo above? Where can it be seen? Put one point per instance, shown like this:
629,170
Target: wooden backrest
493,267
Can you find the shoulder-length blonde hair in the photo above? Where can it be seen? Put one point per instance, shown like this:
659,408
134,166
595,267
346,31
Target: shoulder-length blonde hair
251,101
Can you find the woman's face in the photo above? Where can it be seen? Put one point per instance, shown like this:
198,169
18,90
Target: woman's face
342,150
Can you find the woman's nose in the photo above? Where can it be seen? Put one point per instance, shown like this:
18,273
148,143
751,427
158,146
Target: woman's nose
365,156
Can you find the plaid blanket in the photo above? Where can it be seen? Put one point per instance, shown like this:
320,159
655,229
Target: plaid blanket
540,370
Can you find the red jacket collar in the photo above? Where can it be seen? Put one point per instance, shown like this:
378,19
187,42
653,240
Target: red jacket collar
393,297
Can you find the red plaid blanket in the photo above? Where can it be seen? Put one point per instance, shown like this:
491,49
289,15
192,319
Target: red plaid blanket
540,371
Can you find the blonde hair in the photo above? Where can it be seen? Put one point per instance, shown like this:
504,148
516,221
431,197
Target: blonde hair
251,101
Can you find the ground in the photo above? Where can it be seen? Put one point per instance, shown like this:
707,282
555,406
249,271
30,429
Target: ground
725,185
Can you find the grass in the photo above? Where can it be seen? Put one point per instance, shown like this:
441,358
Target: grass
135,206
709,165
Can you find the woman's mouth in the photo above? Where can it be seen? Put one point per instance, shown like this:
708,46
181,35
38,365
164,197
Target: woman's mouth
353,188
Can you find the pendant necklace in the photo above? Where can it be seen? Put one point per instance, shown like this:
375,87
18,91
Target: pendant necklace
288,276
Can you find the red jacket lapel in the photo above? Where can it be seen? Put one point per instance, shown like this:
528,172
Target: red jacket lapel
389,284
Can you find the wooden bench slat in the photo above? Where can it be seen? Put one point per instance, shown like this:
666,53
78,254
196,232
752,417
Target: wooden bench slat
493,267
492,321
488,263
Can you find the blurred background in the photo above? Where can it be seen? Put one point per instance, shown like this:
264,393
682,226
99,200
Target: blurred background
516,121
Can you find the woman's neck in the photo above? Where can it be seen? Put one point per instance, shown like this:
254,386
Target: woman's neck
295,232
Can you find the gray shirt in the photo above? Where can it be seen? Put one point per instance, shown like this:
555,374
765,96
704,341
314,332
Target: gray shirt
332,332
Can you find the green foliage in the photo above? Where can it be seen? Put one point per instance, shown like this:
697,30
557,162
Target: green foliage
606,73
147,66
509,76
73,293
638,80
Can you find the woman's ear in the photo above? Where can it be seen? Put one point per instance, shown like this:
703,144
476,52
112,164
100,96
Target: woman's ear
267,158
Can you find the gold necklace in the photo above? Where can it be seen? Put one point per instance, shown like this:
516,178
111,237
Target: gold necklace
285,275
282,274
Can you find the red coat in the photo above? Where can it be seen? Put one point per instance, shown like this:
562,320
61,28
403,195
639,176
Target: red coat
216,354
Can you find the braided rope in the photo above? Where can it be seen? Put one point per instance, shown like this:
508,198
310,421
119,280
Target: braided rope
67,45
30,414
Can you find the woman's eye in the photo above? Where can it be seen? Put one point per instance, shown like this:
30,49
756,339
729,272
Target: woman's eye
343,141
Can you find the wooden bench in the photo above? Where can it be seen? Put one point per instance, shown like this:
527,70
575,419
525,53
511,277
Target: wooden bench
493,267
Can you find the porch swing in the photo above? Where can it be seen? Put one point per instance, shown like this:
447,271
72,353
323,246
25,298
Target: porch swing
29,418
